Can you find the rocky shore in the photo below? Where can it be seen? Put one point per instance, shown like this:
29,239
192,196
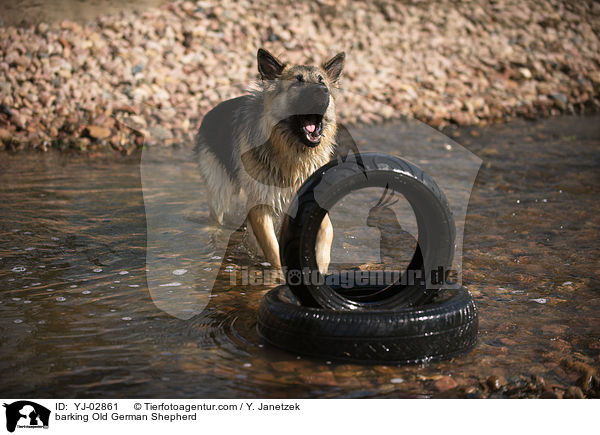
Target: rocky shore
148,77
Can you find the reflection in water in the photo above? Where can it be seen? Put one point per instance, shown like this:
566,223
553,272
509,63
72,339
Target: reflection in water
77,319
395,243
371,234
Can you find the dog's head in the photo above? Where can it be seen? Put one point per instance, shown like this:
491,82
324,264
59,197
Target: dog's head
302,97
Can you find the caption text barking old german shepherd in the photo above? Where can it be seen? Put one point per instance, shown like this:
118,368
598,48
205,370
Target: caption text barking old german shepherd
259,148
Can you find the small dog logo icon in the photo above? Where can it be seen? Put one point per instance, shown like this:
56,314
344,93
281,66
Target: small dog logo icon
26,414
294,277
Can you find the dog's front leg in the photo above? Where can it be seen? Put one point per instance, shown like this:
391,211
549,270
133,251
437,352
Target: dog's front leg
261,221
323,244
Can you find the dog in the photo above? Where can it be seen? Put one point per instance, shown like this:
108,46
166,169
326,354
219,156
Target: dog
258,149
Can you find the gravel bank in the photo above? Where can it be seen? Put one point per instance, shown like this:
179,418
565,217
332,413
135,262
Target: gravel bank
147,78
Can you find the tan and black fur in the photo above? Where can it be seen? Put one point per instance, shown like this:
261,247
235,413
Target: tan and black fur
261,147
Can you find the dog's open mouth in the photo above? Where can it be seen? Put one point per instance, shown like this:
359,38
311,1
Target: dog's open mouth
311,127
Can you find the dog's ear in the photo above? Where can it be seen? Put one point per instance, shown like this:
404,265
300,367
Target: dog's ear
334,66
269,66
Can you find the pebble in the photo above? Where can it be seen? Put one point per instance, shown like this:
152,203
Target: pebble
445,383
574,393
561,100
525,73
586,381
548,395
97,132
495,383
538,380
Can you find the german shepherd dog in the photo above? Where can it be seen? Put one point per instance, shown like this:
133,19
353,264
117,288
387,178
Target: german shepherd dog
259,148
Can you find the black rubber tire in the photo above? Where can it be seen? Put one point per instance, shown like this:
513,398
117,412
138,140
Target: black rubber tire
328,185
440,330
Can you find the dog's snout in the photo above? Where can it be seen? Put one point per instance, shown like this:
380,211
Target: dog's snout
314,98
314,89
321,90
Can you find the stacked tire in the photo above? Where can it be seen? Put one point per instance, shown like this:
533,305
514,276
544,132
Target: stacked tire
408,321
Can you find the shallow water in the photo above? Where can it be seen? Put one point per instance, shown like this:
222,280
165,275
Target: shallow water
78,316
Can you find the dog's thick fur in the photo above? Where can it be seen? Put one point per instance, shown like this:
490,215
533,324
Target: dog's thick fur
261,147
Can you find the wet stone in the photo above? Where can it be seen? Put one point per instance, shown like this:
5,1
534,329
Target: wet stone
587,381
574,393
495,383
445,383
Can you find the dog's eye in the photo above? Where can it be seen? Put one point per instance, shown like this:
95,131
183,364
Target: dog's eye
300,78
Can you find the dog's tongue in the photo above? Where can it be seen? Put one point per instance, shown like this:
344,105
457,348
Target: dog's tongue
311,127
